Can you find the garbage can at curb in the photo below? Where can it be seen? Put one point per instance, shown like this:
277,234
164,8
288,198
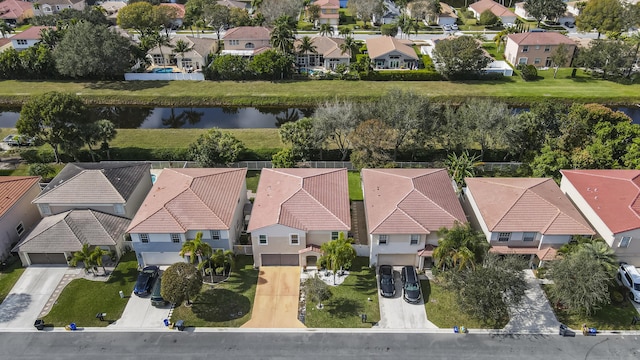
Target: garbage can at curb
39,324
180,325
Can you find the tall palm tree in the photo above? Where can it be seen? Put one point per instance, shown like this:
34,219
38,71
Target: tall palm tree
326,30
96,257
349,46
222,258
306,46
5,29
197,248
345,31
603,253
181,47
283,34
161,41
84,255
106,132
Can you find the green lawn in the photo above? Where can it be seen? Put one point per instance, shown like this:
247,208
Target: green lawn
442,309
253,177
9,277
355,188
348,301
493,51
610,317
177,138
229,304
82,299
308,92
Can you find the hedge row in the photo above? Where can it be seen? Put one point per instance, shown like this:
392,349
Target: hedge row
402,75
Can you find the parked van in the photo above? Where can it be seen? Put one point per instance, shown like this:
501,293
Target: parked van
410,285
156,298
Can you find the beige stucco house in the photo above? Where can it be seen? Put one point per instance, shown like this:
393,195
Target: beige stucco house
50,7
536,48
502,12
18,215
327,55
246,41
194,59
387,52
295,212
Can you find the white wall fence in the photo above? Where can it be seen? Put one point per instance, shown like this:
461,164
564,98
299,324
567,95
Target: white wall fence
163,76
242,250
361,250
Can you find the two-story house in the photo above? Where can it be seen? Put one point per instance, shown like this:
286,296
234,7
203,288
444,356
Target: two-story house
15,12
192,60
183,203
536,48
387,52
17,214
329,12
295,212
505,15
246,41
404,210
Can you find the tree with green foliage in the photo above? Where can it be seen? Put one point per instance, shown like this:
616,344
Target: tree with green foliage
460,247
197,249
272,65
283,34
140,17
611,57
459,56
5,29
601,15
545,9
326,29
215,147
389,30
371,145
180,48
461,166
335,121
338,253
349,46
217,17
53,118
283,159
525,135
239,17
550,161
603,254
306,47
313,13
366,9
300,135
85,256
45,171
36,62
97,257
316,290
230,67
488,18
91,14
560,57
274,9
194,12
486,121
106,132
180,282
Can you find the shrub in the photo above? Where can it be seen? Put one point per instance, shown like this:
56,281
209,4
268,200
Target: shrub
428,63
305,27
487,18
402,75
45,171
389,30
529,72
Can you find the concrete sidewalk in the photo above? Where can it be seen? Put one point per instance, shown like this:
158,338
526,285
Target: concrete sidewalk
534,314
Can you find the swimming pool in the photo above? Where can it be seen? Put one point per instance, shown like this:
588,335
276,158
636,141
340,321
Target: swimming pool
163,70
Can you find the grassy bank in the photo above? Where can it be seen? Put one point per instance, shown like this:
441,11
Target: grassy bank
300,93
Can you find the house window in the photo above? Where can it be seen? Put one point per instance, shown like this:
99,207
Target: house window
547,48
382,239
158,59
249,46
215,234
335,235
522,60
415,239
536,61
504,236
525,48
537,47
144,238
175,238
294,240
234,42
529,236
21,42
20,229
119,209
626,240
263,240
46,210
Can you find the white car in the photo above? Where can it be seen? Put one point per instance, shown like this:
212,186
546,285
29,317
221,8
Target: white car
454,27
630,278
446,27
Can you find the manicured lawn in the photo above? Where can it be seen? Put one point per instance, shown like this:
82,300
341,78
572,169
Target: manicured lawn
20,170
442,309
9,277
348,301
355,188
493,51
610,317
253,177
82,299
181,138
228,304
309,92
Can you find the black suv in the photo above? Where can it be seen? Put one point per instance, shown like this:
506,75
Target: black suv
387,284
410,285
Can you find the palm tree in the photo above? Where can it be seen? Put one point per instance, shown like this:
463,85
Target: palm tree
193,116
460,167
223,257
96,257
603,253
283,34
338,253
326,30
349,46
306,46
197,248
461,247
84,255
5,29
161,41
106,132
345,31
181,47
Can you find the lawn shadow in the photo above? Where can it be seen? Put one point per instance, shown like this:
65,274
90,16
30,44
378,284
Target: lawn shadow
123,278
426,290
218,305
126,85
343,307
366,284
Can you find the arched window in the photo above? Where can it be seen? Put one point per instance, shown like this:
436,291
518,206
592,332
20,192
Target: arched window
249,46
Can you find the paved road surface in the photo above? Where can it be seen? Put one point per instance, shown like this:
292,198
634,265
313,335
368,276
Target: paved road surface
310,345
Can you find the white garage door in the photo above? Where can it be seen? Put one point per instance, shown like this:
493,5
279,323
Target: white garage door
161,258
397,259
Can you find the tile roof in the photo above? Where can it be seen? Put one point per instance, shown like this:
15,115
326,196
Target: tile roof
540,38
190,199
12,188
58,2
81,183
199,46
179,9
69,230
380,46
233,4
484,5
13,9
305,199
248,33
614,195
526,204
32,33
545,254
328,47
409,201
327,3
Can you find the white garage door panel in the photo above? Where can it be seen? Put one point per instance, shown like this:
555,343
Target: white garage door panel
397,259
158,258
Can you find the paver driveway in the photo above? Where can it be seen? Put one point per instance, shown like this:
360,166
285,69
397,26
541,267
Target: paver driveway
395,313
277,296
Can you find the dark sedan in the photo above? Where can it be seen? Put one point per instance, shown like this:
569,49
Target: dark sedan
145,281
387,284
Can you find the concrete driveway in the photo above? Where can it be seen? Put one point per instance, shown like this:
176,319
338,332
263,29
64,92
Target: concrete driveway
139,314
277,295
395,313
29,295
534,314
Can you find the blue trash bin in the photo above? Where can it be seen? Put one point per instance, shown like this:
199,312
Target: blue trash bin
166,322
455,329
72,326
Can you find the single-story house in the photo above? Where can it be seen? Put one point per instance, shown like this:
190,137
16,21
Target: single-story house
610,200
327,55
390,15
57,237
15,12
295,212
27,38
246,41
536,48
180,11
502,12
329,12
525,216
17,214
50,7
387,52
116,188
184,202
194,59
404,210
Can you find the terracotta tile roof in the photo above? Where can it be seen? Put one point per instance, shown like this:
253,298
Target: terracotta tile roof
614,195
13,9
545,254
427,251
248,33
327,3
86,183
179,9
328,47
12,188
447,11
484,5
526,204
69,230
32,33
57,2
311,248
409,201
190,199
540,38
305,199
380,46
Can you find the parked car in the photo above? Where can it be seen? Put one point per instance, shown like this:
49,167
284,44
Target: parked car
156,297
446,27
454,27
630,278
387,284
145,281
410,285
569,24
